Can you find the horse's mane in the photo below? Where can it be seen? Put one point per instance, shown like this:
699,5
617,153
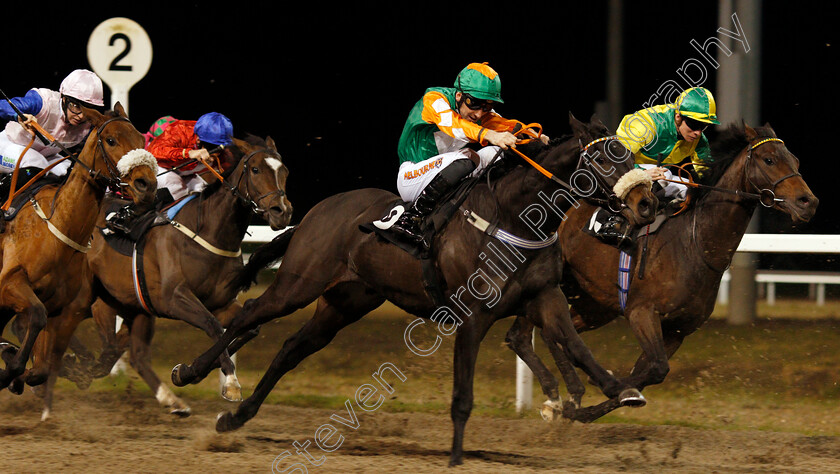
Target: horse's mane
215,185
533,149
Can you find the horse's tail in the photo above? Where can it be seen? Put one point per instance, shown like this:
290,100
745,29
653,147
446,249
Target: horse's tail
265,256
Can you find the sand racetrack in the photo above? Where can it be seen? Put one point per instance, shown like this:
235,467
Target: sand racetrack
758,398
128,432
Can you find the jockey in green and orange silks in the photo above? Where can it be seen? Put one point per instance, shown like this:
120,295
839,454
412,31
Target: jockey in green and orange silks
671,134
433,148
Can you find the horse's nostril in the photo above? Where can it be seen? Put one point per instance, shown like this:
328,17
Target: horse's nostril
141,185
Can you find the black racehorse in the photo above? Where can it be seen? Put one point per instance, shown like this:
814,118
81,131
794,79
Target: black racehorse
350,273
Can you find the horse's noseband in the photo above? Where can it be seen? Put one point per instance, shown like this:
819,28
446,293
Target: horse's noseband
253,203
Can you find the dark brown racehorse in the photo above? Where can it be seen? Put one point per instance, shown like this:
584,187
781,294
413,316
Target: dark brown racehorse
42,251
186,280
675,292
350,273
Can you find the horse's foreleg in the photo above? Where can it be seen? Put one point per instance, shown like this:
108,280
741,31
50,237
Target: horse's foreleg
519,339
114,343
658,345
312,337
574,385
550,310
142,332
225,317
188,308
467,342
49,354
18,295
287,293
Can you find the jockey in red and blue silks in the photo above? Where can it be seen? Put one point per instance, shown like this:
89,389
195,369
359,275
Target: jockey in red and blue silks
182,149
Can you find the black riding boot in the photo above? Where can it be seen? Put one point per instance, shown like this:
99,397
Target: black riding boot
121,220
615,231
409,222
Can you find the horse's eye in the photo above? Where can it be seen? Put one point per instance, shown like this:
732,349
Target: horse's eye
768,161
255,170
599,159
110,141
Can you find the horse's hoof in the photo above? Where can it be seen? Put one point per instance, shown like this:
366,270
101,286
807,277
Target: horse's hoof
456,461
7,351
225,422
630,397
549,410
180,376
181,412
232,393
34,379
16,386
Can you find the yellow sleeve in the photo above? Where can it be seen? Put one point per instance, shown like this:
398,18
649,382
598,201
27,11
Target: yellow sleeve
636,131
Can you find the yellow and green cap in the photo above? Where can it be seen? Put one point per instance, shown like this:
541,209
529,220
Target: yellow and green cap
699,104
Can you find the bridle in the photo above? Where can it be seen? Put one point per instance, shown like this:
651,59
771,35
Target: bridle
114,180
249,201
765,196
612,201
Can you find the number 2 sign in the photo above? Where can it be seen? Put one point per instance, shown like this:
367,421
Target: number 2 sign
120,53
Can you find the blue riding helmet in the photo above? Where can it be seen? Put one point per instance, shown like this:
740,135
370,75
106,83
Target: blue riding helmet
214,128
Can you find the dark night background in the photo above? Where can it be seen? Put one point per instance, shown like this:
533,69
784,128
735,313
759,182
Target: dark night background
333,86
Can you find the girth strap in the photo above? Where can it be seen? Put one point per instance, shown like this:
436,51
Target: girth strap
139,277
501,234
56,232
207,245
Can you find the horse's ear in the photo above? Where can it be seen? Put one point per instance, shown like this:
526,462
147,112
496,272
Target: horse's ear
118,108
242,145
597,124
749,131
270,143
769,128
95,117
578,127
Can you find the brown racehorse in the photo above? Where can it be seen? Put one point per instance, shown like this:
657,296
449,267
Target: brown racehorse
42,251
675,291
185,280
351,273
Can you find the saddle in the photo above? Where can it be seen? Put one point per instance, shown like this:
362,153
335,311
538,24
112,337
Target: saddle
123,243
431,225
625,258
21,199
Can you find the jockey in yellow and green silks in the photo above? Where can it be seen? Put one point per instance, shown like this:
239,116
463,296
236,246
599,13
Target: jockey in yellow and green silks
663,135
671,134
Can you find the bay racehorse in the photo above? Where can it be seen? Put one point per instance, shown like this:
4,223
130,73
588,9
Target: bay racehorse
676,271
350,272
42,251
195,280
